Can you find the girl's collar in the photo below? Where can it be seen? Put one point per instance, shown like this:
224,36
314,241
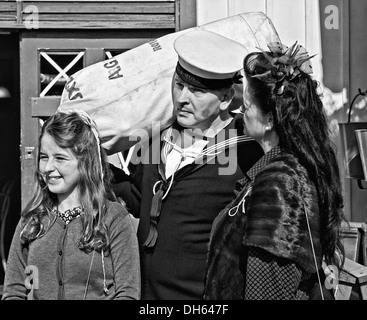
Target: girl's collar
68,215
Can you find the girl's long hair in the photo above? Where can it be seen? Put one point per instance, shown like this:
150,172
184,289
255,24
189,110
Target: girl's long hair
303,129
71,131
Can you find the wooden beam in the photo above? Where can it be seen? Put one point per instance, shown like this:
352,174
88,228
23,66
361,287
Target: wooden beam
354,239
102,7
164,19
104,25
359,272
44,106
7,17
8,6
355,269
185,14
91,14
345,286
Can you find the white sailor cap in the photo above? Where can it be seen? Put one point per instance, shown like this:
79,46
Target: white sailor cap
209,60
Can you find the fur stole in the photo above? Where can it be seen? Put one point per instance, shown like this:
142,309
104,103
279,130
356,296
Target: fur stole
276,219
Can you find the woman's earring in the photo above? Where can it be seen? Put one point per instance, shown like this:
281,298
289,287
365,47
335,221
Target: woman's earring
280,90
270,121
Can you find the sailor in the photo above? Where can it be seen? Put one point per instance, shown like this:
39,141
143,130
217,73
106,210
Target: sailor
201,157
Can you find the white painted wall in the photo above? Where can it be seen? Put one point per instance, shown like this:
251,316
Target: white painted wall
295,20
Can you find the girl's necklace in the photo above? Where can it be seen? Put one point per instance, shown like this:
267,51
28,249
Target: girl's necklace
70,214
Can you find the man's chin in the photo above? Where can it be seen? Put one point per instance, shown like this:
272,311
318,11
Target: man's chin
182,121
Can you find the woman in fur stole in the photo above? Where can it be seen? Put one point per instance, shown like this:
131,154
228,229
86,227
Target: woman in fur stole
270,241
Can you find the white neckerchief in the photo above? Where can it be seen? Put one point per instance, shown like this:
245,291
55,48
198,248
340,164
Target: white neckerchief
186,147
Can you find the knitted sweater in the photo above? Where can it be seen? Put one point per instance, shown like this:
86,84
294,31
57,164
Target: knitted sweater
60,270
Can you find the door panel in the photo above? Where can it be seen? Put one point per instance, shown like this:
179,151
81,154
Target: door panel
46,64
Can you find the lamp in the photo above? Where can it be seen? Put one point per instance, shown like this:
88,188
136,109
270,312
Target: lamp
4,92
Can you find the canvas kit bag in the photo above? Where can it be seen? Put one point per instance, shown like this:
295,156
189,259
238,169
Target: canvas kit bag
130,92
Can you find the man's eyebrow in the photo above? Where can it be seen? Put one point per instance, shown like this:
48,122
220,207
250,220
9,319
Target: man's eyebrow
191,86
177,77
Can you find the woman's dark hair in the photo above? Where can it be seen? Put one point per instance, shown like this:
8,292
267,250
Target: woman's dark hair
303,129
71,131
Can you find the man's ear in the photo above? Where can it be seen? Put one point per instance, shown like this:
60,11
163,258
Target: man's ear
227,97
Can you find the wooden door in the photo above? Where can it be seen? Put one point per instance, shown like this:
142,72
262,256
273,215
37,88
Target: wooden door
47,62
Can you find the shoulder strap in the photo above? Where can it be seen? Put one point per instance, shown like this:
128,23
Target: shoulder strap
313,253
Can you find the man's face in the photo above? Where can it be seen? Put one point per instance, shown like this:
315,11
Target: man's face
195,108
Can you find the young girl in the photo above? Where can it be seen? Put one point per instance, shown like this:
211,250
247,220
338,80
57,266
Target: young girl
73,241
